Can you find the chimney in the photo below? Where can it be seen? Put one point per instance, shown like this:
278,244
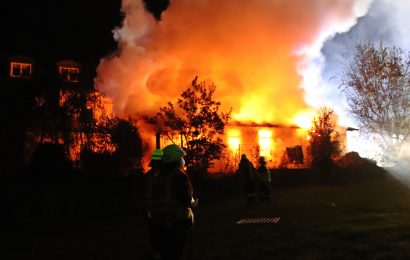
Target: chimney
158,140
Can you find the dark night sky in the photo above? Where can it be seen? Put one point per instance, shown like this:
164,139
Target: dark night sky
64,29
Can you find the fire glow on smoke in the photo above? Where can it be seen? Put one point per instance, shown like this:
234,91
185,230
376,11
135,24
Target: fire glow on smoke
256,52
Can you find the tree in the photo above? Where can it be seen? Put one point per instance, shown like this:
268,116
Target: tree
376,82
198,125
120,153
65,112
129,147
323,139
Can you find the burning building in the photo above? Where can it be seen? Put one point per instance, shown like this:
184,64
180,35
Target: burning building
276,143
282,146
257,53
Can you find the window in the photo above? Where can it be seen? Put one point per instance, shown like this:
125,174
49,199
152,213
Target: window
20,70
69,74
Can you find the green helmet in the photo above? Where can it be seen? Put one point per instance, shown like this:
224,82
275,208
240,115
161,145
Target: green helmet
173,153
157,155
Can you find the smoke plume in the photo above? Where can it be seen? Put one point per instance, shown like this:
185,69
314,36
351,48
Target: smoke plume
384,22
259,54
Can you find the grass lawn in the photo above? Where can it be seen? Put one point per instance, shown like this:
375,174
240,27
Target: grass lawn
363,218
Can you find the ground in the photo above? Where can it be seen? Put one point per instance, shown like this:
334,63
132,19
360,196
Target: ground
367,218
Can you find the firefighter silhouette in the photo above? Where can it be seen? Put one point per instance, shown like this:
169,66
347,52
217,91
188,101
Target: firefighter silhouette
263,180
149,177
168,201
247,173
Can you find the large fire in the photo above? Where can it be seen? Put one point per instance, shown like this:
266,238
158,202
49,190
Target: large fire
265,142
255,53
234,140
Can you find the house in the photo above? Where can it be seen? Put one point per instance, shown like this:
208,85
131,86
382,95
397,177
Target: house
45,101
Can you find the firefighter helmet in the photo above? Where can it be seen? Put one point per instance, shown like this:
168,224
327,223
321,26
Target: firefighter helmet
173,153
262,160
157,155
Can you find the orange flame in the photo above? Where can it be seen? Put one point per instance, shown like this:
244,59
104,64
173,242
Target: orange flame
265,143
304,119
252,51
233,140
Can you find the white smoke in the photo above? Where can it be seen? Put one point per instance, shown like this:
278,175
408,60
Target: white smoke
270,59
386,21
321,92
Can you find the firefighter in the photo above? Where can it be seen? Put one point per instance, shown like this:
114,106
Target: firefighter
156,158
148,180
247,173
169,210
264,179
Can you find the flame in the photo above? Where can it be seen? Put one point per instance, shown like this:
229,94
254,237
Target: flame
233,140
304,119
265,143
255,52
102,108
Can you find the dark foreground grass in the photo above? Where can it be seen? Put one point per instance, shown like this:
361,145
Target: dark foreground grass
358,219
363,218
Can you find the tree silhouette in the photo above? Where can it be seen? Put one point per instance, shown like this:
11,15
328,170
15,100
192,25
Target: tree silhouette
197,124
129,147
376,82
323,139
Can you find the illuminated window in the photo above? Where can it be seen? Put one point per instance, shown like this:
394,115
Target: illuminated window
20,70
265,142
69,74
234,140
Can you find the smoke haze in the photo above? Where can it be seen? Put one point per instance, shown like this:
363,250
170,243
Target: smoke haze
264,56
385,21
